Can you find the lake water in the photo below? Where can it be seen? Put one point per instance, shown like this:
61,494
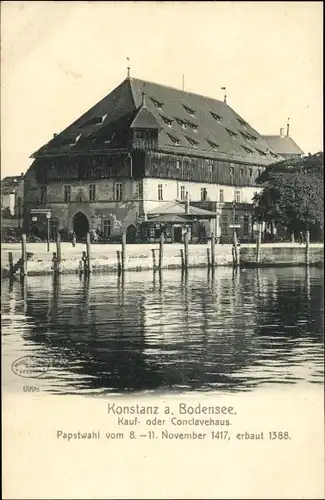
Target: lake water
227,332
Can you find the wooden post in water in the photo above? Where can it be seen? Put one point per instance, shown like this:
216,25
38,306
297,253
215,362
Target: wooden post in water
55,262
236,249
154,265
118,253
213,251
11,264
161,250
58,251
88,253
182,258
123,250
186,237
258,244
23,270
307,247
208,258
85,262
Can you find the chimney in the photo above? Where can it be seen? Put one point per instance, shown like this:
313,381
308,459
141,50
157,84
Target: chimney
187,203
288,127
54,135
282,132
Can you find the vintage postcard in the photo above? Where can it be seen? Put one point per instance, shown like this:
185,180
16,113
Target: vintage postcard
162,250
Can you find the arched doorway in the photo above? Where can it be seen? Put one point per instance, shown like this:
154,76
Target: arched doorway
80,225
131,234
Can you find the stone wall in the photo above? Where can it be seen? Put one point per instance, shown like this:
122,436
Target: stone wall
282,255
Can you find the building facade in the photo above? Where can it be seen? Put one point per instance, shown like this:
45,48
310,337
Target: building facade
12,202
143,146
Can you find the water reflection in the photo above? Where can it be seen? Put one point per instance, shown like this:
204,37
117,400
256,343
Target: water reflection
229,330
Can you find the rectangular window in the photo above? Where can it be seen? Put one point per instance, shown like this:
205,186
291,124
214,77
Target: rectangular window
237,196
204,194
231,170
251,172
182,192
43,194
236,219
221,196
224,225
118,191
92,192
241,172
67,194
106,228
160,192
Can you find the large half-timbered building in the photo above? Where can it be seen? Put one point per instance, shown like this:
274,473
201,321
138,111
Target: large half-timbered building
143,147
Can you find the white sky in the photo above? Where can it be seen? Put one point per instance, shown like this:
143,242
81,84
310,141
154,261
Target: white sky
60,58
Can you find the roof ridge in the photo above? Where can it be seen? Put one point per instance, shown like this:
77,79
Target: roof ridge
179,90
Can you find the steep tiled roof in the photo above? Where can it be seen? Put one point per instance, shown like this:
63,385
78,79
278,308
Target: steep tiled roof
169,218
188,123
283,144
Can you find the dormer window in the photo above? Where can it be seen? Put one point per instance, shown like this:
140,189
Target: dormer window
173,139
262,153
245,136
252,138
193,126
248,150
189,110
158,104
193,142
231,133
213,145
273,154
167,120
216,117
242,122
182,123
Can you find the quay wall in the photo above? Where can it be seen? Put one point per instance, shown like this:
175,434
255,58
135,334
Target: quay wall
140,257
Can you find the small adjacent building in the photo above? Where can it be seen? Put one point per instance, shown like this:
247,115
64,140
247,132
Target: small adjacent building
284,145
12,196
142,148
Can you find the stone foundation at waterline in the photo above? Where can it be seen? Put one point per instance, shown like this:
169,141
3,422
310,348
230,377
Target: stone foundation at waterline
139,257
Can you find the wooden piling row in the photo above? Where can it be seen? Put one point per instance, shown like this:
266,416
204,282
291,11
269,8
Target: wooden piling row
85,263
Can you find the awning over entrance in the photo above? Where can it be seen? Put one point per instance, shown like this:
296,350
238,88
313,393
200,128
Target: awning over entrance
176,208
173,219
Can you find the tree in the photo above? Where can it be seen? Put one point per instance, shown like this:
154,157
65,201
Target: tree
293,195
